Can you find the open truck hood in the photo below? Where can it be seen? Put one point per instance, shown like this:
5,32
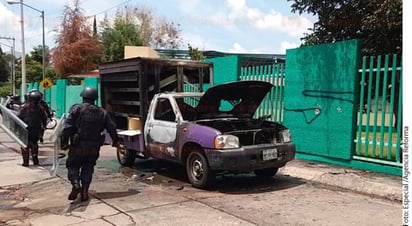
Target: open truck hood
236,99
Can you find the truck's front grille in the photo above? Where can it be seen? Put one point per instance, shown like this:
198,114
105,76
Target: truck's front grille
254,137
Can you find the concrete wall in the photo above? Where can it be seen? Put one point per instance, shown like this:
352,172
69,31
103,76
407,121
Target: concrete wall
139,51
320,101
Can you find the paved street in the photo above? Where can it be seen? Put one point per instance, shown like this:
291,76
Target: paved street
157,193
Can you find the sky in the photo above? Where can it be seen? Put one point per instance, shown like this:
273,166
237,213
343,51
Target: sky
237,26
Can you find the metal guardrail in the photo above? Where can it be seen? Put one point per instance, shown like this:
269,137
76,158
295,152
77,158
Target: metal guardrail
14,126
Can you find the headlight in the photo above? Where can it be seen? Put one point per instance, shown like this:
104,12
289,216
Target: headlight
226,141
285,136
276,139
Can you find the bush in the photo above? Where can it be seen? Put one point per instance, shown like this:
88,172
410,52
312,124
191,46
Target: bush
5,89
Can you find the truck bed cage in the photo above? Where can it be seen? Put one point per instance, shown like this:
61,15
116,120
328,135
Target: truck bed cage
128,86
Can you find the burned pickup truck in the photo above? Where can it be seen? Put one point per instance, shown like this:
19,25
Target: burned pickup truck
207,132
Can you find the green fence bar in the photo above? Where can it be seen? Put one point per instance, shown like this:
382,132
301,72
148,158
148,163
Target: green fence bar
361,106
272,94
259,76
280,99
392,99
375,107
276,92
279,85
385,84
368,107
399,119
266,101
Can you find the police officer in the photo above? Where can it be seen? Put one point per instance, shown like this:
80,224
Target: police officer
46,110
83,128
32,114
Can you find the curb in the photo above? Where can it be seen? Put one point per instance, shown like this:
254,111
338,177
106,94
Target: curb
364,182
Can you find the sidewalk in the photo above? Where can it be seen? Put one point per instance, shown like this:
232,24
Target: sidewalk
49,193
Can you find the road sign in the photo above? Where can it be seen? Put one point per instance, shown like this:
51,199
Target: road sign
46,83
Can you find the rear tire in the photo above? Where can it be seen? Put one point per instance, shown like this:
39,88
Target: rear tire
125,156
198,171
51,124
267,173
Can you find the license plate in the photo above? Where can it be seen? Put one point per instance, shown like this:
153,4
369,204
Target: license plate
270,154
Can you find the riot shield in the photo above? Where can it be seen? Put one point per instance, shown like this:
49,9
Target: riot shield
56,139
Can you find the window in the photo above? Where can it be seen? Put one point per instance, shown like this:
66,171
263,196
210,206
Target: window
164,110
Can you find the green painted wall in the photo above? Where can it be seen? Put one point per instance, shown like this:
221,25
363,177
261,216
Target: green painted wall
74,97
322,77
225,69
62,96
51,94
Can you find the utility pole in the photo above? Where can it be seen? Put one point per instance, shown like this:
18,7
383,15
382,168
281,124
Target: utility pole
23,62
23,53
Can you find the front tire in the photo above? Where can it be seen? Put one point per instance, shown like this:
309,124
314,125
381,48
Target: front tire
125,156
266,173
198,171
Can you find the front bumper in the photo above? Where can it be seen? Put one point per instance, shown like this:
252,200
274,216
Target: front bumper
248,158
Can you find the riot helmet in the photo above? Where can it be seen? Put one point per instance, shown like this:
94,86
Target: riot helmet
89,93
34,97
37,91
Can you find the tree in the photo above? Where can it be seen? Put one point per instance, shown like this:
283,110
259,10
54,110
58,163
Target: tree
4,68
166,35
137,26
34,70
94,26
378,23
123,33
76,49
34,65
194,53
37,54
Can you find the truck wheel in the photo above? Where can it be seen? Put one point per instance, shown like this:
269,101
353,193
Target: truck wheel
125,156
268,172
198,171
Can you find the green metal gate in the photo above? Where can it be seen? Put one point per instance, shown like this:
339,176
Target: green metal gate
364,95
379,120
273,103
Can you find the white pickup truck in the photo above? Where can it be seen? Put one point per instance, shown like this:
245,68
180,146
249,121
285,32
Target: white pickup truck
207,132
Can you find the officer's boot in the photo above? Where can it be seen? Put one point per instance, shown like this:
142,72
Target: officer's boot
76,189
35,154
35,159
26,156
85,192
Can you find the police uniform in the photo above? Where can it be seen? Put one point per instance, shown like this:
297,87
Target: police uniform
32,114
46,110
83,128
